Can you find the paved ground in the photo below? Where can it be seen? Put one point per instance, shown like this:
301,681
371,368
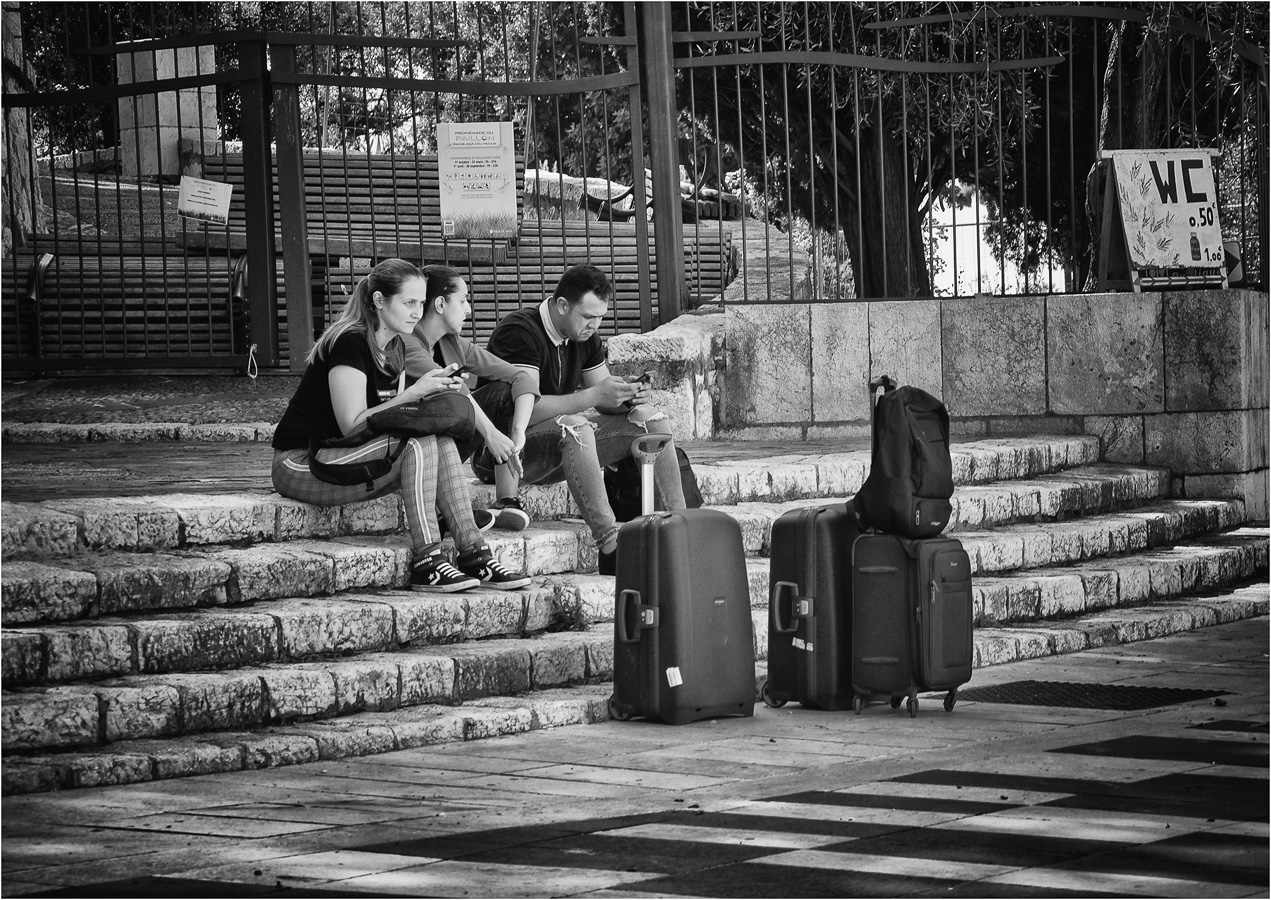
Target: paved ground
993,799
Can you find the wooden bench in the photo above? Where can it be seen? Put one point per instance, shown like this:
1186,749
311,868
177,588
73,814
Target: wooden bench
546,248
122,299
360,205
698,203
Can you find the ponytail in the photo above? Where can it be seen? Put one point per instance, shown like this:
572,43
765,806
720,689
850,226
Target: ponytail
359,313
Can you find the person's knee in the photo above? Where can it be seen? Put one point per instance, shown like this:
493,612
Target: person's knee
576,432
650,419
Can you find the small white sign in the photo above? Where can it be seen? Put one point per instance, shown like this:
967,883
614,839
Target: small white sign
673,677
203,200
1169,208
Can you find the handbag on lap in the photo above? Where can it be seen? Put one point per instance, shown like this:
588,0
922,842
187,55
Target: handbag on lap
447,413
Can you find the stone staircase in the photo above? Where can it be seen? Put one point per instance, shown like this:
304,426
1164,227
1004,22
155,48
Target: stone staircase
184,634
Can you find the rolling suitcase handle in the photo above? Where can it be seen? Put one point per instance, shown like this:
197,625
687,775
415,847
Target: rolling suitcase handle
800,607
648,616
645,450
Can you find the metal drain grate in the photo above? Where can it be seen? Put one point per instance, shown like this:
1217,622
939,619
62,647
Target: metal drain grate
1081,695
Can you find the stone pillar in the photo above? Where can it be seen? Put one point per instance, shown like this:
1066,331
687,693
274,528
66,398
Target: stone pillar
151,125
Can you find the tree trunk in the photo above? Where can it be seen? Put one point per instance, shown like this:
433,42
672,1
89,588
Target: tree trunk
23,207
888,257
1132,112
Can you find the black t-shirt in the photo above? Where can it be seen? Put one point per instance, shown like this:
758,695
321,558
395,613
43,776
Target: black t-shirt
521,339
310,413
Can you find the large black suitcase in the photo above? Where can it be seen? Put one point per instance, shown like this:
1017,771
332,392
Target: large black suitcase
810,608
684,646
911,619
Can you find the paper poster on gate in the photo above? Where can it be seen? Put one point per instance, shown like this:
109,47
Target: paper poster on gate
204,200
1169,209
476,164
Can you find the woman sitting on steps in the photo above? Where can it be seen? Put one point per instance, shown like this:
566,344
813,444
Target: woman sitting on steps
438,341
359,364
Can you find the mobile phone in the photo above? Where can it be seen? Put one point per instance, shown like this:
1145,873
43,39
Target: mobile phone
463,369
646,376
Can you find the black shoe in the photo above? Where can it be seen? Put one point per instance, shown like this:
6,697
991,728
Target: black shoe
509,515
607,563
435,574
483,518
480,563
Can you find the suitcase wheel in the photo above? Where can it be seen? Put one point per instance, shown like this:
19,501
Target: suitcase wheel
895,703
911,706
858,703
618,711
769,700
950,699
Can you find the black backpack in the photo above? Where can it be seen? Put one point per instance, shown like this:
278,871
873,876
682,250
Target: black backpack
910,472
622,484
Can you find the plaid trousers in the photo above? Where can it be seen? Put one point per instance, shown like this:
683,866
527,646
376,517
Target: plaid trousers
428,473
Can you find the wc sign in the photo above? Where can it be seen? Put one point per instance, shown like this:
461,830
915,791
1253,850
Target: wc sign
1169,209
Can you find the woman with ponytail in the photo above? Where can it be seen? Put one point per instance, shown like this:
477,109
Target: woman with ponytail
357,365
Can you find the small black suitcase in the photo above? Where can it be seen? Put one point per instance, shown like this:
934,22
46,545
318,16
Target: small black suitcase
684,646
810,608
911,619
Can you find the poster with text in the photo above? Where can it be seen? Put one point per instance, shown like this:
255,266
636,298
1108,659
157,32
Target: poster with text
203,200
476,163
1169,208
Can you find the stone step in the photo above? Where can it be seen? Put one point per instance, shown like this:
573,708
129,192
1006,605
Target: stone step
280,608
104,582
143,707
1034,597
294,628
291,659
177,521
371,732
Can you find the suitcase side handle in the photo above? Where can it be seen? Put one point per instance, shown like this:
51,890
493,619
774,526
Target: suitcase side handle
647,616
779,624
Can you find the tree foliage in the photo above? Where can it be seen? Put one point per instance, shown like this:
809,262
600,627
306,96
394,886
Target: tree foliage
863,147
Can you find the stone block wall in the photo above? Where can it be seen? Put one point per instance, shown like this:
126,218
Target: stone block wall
1176,379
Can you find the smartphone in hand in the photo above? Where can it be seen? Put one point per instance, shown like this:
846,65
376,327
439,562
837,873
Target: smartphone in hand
463,370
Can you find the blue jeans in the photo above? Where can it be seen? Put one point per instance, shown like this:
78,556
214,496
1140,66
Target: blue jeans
575,449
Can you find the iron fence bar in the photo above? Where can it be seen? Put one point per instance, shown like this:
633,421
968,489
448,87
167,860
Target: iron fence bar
858,61
658,86
741,156
815,246
257,201
859,268
635,100
882,170
292,213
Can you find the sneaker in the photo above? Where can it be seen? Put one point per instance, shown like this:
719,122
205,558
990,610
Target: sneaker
433,573
480,563
483,517
509,514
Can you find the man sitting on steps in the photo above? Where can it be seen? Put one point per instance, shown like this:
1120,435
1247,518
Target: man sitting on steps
557,341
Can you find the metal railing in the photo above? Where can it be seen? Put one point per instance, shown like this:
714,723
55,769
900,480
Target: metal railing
907,149
949,149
